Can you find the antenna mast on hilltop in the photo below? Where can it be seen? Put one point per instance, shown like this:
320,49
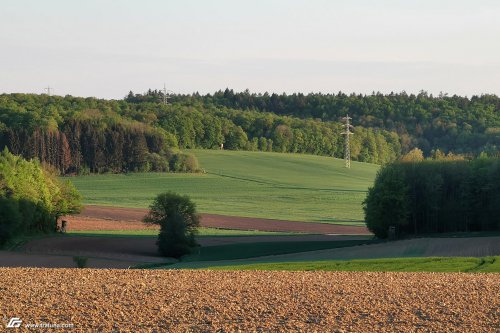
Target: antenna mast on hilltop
48,90
347,132
165,94
165,97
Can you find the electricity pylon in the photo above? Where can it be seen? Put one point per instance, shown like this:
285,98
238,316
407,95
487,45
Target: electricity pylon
165,96
347,132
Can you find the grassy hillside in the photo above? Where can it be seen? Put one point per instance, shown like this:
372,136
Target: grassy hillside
253,184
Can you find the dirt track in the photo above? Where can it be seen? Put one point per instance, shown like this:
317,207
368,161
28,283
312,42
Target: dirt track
227,222
211,301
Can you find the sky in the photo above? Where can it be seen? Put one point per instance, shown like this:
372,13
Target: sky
105,48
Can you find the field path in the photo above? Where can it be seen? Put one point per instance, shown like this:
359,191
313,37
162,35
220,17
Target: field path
228,222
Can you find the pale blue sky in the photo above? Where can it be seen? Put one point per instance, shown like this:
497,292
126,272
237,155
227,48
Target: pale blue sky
105,48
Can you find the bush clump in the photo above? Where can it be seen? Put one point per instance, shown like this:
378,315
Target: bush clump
184,162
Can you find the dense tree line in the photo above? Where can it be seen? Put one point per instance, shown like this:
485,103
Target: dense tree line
449,123
435,197
32,197
89,134
140,133
76,139
200,127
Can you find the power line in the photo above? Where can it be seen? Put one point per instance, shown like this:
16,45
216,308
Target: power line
347,132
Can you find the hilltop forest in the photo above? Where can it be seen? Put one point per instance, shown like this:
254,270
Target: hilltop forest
140,133
435,197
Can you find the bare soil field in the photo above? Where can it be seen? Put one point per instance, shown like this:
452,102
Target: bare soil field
134,249
117,252
22,259
219,221
211,301
110,247
82,223
122,252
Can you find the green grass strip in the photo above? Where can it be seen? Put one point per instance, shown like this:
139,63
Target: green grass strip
427,264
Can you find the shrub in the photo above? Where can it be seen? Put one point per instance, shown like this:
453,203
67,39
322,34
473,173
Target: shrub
157,162
182,162
83,171
81,262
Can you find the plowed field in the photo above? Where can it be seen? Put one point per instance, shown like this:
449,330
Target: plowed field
210,301
135,215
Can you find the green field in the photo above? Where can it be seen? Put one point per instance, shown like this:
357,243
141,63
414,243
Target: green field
253,184
262,249
424,264
428,264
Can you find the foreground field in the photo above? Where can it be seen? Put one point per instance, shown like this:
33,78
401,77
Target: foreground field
201,301
251,184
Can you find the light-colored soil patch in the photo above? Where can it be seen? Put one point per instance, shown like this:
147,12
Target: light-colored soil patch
82,223
210,301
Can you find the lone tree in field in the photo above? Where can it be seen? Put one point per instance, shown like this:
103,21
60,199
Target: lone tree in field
178,220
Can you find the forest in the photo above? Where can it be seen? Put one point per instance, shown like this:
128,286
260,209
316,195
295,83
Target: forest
450,123
141,133
434,197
